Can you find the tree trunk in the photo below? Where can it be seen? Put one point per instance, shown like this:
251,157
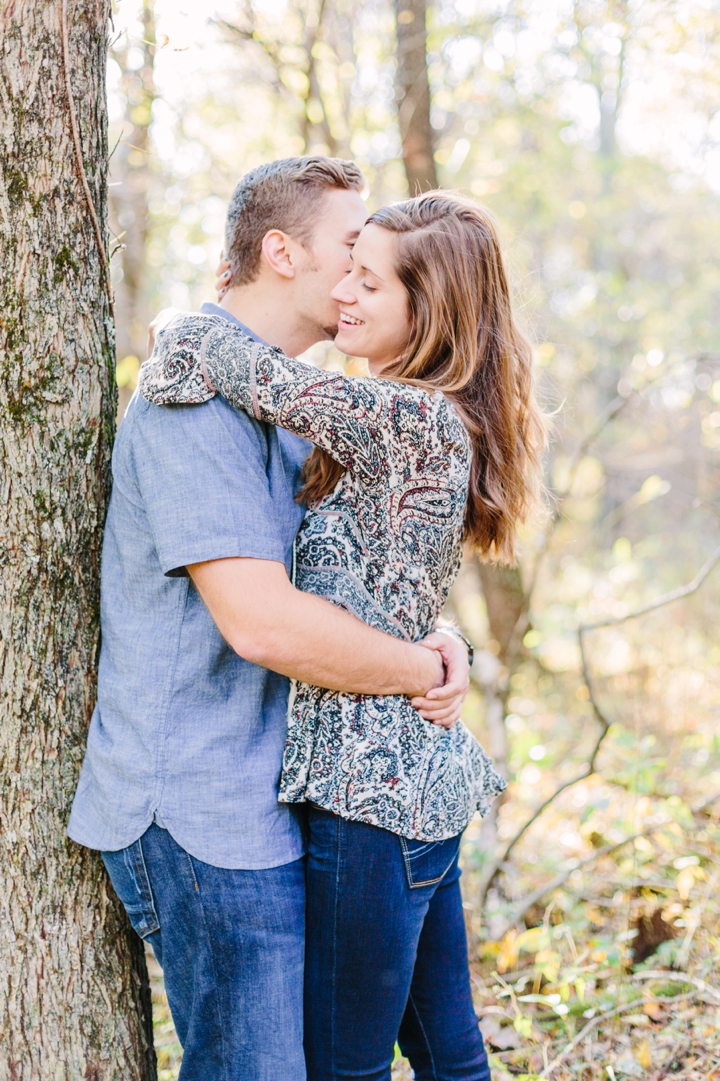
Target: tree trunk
74,998
412,94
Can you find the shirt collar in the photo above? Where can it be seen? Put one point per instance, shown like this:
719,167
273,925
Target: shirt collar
214,309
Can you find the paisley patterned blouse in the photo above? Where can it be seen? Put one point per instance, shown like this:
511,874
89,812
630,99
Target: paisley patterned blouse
385,545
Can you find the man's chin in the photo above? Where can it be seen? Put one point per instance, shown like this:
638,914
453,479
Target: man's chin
331,332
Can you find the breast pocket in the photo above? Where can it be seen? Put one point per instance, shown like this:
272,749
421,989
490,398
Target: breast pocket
427,862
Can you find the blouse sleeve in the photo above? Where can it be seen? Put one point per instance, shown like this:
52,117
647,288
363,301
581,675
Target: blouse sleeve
364,424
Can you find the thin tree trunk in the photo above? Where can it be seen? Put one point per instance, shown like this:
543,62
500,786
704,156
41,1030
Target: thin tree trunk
130,179
504,599
74,1000
412,94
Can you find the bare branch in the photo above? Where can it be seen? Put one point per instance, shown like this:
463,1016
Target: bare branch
526,902
607,415
667,598
611,411
588,770
606,1017
603,721
530,899
679,977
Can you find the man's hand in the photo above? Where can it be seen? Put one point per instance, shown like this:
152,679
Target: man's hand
442,705
222,277
161,320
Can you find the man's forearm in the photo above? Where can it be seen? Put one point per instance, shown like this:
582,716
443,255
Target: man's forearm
269,622
319,643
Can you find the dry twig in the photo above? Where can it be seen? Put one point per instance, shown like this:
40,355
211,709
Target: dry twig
666,598
608,1016
680,977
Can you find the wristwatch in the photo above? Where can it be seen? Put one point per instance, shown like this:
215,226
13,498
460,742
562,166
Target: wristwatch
459,634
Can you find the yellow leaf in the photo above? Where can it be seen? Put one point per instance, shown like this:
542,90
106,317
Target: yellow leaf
580,988
532,939
685,882
653,1010
548,961
599,955
644,1055
508,952
490,949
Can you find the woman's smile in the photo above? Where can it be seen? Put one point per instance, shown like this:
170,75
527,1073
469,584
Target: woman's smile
372,287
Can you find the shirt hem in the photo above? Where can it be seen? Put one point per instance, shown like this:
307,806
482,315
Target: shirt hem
82,838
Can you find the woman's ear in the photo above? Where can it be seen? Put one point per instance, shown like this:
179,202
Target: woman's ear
279,252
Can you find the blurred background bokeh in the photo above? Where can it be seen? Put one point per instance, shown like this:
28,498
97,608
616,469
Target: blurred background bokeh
592,129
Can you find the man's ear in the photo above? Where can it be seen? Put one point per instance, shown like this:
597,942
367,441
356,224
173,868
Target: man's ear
281,252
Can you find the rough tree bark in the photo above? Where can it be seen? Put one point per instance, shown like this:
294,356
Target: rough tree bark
74,1000
412,95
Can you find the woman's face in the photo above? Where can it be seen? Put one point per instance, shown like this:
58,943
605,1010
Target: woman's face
374,317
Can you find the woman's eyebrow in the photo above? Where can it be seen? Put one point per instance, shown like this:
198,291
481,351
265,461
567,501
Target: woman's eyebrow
368,270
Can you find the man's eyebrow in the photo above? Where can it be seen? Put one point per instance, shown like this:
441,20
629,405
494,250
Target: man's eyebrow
352,235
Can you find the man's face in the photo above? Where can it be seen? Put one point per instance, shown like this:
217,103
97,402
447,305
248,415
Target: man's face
342,216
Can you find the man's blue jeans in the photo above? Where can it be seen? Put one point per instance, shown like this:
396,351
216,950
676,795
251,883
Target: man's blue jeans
231,944
386,957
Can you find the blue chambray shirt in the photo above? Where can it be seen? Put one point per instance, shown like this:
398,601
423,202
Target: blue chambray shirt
185,732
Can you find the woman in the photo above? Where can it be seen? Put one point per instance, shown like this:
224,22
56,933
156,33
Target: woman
441,448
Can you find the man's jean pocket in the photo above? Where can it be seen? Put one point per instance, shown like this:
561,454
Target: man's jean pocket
129,877
427,862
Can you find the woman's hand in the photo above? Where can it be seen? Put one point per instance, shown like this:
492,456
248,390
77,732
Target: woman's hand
442,705
175,373
222,277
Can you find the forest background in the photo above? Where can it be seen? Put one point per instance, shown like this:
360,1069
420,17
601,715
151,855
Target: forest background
591,129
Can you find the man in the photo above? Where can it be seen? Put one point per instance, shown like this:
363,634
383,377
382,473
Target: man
201,624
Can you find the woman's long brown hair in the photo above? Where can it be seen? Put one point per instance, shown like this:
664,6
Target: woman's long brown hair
465,343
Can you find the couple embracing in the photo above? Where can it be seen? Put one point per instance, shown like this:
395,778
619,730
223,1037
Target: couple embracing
290,849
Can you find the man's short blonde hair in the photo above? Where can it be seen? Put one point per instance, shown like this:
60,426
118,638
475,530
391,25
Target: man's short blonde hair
284,194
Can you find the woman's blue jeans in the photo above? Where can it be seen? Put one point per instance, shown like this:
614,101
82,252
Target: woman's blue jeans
386,957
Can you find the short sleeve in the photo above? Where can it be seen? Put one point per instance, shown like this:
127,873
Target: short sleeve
201,475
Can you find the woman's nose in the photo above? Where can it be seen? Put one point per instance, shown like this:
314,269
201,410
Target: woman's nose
342,293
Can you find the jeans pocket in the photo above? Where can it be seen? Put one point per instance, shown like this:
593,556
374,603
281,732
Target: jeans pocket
427,862
131,883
